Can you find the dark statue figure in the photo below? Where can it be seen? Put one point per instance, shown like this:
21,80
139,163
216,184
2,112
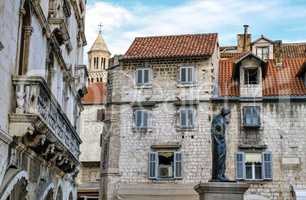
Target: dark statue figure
219,145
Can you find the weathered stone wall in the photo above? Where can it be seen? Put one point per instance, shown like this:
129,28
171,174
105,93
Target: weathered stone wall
283,132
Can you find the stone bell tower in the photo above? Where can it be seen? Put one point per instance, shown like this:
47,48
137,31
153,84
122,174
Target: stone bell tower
98,60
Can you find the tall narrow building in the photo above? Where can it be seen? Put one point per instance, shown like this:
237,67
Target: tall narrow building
98,59
92,120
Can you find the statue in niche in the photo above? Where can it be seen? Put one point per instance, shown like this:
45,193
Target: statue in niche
218,131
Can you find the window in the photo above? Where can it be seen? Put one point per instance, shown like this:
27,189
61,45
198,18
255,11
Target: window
251,116
262,52
96,62
187,117
142,118
100,115
254,166
251,76
143,76
187,75
165,165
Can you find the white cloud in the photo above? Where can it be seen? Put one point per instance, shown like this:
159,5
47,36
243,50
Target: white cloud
226,17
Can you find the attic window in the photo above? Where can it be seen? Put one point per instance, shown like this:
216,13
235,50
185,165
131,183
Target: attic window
251,76
262,52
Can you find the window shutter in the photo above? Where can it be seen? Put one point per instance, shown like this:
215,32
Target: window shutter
183,118
139,76
153,162
183,75
240,166
190,118
146,76
145,119
267,165
177,165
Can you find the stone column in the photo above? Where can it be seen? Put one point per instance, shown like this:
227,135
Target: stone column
221,190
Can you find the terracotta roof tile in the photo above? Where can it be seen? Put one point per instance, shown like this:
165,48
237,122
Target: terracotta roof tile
294,50
96,94
279,81
194,45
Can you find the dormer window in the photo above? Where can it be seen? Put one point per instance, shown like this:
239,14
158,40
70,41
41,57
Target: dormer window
251,76
262,52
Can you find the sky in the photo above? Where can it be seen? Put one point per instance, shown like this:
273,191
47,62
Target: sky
123,20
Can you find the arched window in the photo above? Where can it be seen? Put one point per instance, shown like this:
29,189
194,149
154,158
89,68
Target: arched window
26,31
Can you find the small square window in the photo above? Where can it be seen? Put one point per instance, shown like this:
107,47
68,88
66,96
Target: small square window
262,52
187,117
251,116
141,118
254,166
251,76
143,76
165,165
187,75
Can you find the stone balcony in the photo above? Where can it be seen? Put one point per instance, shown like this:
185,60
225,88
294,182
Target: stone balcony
39,123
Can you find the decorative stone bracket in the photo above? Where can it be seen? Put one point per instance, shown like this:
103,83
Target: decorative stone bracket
59,28
41,124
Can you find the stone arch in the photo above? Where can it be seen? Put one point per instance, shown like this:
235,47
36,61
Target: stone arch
48,193
14,185
26,31
70,197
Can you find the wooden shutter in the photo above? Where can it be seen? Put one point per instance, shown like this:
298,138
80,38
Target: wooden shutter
145,119
138,118
146,76
153,163
178,165
139,77
240,165
267,165
183,118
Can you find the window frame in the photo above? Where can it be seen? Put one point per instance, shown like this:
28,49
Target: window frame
175,176
143,83
247,76
187,109
193,75
261,52
244,120
263,167
142,124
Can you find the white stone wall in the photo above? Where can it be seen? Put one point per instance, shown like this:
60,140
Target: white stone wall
91,129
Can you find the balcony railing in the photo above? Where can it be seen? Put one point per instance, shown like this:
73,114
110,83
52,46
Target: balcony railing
39,119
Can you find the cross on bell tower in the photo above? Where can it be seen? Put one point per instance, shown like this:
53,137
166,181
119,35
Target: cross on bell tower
100,28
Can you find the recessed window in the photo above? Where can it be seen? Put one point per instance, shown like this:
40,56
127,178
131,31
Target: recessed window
187,117
142,118
187,75
251,116
165,165
262,52
143,76
251,76
253,166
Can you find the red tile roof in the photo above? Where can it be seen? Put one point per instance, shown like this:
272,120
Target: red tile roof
194,45
294,50
279,81
96,94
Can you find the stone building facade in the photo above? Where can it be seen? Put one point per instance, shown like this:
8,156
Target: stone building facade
43,80
163,95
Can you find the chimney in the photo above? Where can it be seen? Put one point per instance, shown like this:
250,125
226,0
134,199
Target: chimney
244,40
278,53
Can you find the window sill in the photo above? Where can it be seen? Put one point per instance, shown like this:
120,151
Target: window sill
259,181
149,86
182,129
142,130
186,85
165,180
252,127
